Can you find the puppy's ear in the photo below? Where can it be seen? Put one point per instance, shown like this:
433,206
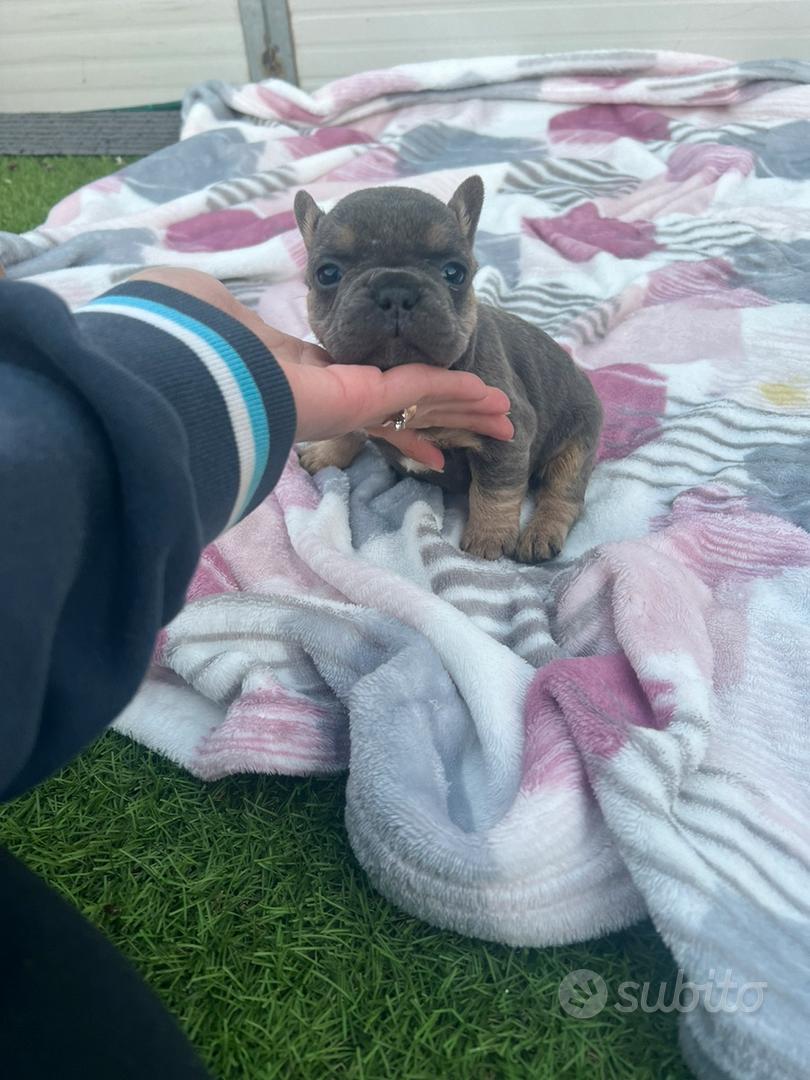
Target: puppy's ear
307,214
466,204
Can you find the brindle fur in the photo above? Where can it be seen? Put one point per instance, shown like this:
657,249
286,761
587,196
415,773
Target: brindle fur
400,237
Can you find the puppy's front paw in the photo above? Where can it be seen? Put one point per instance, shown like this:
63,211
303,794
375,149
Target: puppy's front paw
539,542
337,452
488,543
544,536
313,459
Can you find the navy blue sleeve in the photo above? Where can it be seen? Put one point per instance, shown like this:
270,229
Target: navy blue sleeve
131,434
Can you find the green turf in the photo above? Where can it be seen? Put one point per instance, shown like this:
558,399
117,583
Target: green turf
241,903
30,186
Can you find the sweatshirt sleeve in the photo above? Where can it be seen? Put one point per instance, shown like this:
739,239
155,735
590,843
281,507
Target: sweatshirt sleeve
132,433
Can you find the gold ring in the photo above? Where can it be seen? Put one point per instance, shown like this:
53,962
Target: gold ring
399,421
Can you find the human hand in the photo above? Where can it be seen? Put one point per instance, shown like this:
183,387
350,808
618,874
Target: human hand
335,399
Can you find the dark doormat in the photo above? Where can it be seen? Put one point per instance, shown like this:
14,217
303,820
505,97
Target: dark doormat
132,132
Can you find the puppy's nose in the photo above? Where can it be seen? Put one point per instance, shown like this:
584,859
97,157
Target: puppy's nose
399,297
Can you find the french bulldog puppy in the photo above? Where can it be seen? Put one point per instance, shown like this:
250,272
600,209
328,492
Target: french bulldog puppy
390,273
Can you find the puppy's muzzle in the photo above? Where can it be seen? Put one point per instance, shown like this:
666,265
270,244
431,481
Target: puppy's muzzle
396,294
397,297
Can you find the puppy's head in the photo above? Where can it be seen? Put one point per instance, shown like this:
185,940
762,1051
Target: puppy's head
390,274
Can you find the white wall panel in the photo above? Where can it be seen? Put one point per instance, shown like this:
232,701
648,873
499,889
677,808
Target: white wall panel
334,39
88,54
83,54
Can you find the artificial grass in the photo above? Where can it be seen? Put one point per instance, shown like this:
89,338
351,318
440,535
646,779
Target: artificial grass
241,903
30,186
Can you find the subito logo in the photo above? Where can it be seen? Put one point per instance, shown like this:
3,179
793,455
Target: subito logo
582,994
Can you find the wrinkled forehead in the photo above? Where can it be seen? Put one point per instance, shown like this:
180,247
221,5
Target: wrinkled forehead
360,227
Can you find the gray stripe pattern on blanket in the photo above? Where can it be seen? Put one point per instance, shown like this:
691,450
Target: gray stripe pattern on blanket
540,754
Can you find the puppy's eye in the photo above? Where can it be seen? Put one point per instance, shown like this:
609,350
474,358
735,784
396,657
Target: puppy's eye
454,273
328,274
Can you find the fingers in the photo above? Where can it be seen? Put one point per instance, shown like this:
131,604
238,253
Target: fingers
494,403
495,426
452,399
413,383
413,446
338,398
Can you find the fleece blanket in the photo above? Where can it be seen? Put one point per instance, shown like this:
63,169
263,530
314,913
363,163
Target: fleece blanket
535,755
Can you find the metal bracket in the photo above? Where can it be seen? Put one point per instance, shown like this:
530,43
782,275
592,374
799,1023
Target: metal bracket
268,38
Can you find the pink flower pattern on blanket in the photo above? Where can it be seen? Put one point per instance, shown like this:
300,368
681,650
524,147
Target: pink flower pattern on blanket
226,230
583,232
610,121
634,399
